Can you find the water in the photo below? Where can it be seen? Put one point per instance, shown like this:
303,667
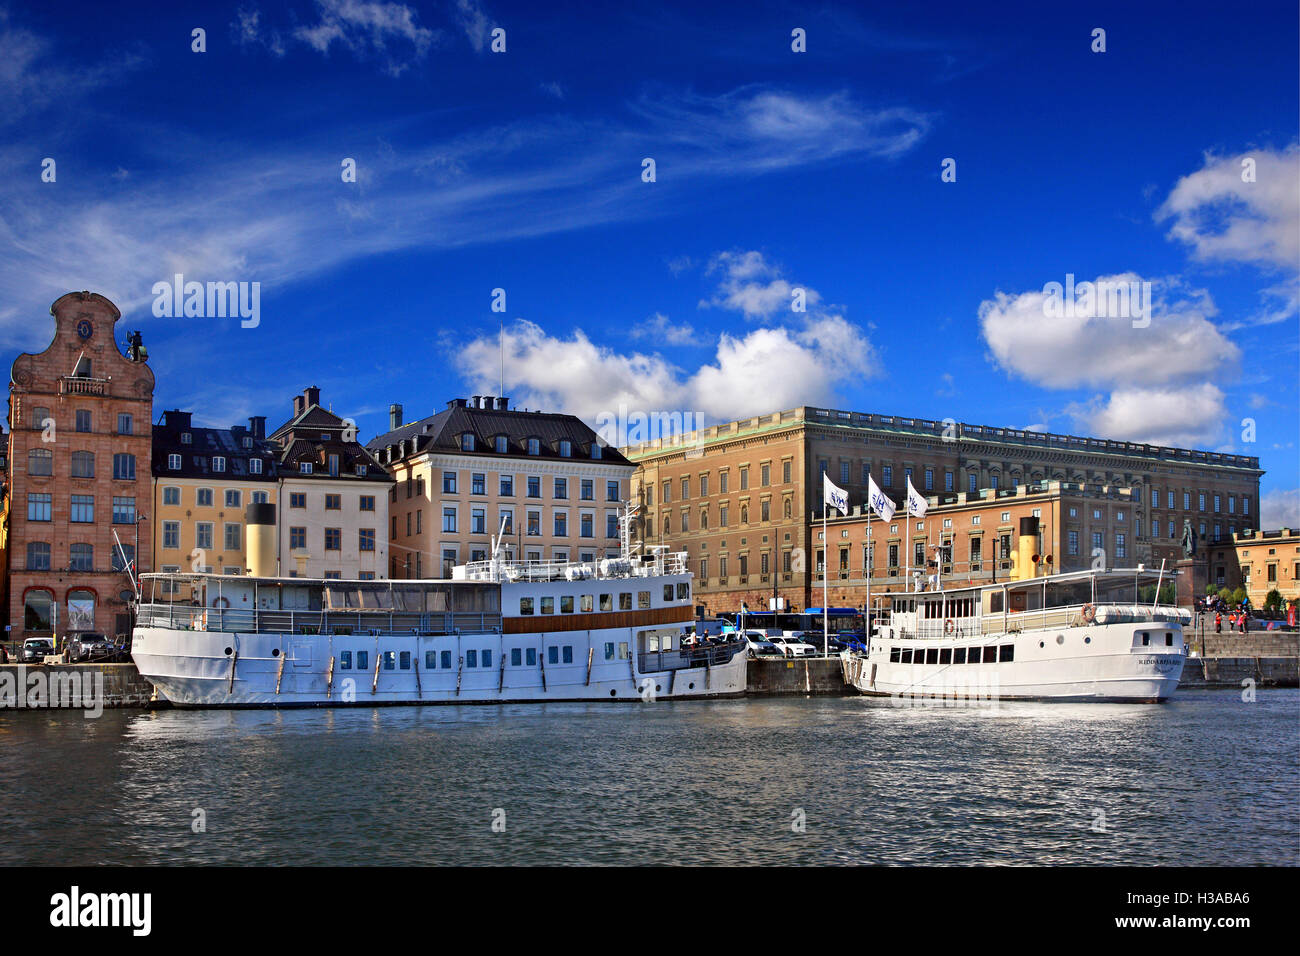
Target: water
1206,779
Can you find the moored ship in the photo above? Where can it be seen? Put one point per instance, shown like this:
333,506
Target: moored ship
1082,636
497,631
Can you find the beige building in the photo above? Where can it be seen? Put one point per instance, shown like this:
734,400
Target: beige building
745,498
1267,560
478,467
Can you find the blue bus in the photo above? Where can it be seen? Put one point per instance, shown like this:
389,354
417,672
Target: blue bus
846,623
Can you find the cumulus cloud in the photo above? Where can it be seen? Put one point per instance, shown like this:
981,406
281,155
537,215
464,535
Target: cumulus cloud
368,29
1280,508
1180,417
1223,218
660,329
752,286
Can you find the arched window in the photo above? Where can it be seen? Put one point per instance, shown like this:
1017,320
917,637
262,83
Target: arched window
38,556
40,461
83,464
81,609
37,607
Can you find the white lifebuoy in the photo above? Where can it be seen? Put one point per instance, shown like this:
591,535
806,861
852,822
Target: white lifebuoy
1089,613
949,626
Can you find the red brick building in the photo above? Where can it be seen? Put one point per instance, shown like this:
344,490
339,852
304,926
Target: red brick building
79,454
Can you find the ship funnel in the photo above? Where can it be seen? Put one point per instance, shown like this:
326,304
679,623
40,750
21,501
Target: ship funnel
260,557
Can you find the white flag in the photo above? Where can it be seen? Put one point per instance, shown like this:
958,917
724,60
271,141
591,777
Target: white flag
881,505
916,504
834,496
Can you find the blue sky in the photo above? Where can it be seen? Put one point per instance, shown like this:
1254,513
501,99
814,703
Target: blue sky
774,171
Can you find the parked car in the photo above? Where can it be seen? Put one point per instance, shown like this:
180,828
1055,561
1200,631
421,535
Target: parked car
759,644
35,649
90,646
793,645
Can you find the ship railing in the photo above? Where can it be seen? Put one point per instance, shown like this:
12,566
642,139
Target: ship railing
679,658
936,629
656,566
247,621
1071,615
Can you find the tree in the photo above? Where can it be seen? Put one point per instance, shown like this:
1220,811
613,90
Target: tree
1273,600
1239,596
1209,589
1225,595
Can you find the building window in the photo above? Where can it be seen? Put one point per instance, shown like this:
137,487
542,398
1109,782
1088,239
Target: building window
561,525
586,526
297,539
83,464
37,610
333,502
81,557
366,539
123,554
449,520
561,487
40,461
304,467
233,497
38,556
587,490
1121,547
534,486
611,490
566,448
887,476
929,479
970,482
124,467
233,537
467,441
255,466
534,523
83,509
478,521
82,420
171,495
333,539
1072,545
123,510
218,463
38,506
297,499
744,478
171,534
125,424
203,535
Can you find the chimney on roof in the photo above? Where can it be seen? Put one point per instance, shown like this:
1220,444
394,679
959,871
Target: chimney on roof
312,396
456,403
257,426
175,418
297,406
394,417
476,402
502,403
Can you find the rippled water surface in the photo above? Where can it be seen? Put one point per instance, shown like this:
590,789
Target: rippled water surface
1206,779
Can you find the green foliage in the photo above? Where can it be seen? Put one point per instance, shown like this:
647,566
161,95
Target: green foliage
1273,600
1225,595
1239,596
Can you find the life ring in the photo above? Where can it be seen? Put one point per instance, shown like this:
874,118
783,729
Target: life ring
1089,613
949,626
221,602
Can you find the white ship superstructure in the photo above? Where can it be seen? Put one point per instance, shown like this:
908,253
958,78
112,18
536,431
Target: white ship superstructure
1084,636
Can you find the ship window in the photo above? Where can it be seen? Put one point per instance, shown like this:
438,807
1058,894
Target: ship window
530,657
445,660
893,655
995,601
609,648
525,605
1007,652
487,657
959,655
568,654
552,655
643,599
990,655
516,656
625,601
1169,638
345,660
471,658
363,660
548,605
404,661
1146,639
390,660
945,655
683,591
586,603
607,602
566,604
431,660
624,653
932,655
906,657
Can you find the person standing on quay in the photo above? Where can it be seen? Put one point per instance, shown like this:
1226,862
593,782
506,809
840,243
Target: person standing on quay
1218,623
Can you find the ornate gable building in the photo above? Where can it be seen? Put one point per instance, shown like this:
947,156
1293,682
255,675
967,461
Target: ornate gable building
79,450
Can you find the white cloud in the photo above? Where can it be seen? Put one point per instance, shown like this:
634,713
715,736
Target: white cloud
1177,416
369,27
1104,350
1279,508
660,330
1223,218
473,20
248,32
752,286
552,89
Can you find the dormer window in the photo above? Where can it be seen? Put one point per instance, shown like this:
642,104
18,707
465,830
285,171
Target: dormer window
361,470
566,448
248,442
503,444
174,462
255,466
467,441
324,436
218,463
534,446
595,449
186,438
304,467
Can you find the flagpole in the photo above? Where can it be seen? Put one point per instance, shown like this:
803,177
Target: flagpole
826,566
907,542
870,561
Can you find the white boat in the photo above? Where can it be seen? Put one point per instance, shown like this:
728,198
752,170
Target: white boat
497,631
1083,636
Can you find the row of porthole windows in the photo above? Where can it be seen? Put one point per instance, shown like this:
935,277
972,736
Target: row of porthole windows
992,654
475,657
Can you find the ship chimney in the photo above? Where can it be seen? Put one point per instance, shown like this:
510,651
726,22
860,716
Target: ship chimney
394,417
